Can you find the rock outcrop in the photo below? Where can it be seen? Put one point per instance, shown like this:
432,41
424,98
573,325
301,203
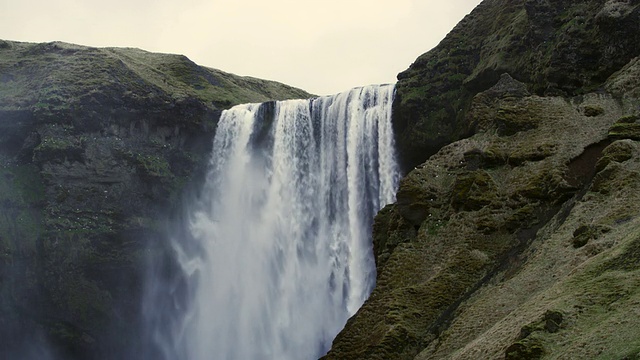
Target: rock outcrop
563,48
96,148
517,238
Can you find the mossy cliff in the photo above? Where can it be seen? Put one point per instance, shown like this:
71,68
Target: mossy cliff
564,48
517,238
96,147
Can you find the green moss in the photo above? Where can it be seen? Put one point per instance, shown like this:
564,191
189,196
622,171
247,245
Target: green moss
522,217
537,153
593,110
602,297
585,233
404,309
154,166
628,260
526,349
57,80
632,355
495,155
545,184
473,190
59,148
182,78
57,143
618,151
457,78
625,128
615,176
625,131
628,119
513,119
434,227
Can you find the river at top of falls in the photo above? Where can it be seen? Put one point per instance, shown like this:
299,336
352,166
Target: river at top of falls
283,226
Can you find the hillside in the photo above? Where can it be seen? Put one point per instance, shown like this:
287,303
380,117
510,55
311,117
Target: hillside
515,234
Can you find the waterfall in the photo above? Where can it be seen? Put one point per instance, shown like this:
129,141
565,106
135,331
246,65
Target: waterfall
283,226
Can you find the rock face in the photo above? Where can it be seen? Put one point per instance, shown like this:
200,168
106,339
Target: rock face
563,48
96,148
519,241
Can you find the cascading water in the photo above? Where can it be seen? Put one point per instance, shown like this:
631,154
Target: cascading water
283,226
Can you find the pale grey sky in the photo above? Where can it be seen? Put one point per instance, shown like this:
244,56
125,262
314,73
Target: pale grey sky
323,47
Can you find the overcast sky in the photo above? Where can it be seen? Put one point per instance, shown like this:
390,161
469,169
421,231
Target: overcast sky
323,47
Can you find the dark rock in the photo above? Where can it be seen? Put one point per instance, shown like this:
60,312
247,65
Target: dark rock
508,87
591,110
553,321
528,349
474,159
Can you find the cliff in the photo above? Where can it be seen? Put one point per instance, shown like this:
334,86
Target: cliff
515,234
97,147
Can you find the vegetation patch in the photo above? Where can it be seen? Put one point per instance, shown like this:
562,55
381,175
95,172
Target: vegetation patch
473,190
583,234
537,153
627,127
593,110
60,148
153,166
545,184
614,177
513,119
628,260
618,151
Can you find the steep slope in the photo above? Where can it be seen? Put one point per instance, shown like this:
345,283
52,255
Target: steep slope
519,241
96,146
562,48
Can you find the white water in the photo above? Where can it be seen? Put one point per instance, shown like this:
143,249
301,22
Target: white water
284,226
